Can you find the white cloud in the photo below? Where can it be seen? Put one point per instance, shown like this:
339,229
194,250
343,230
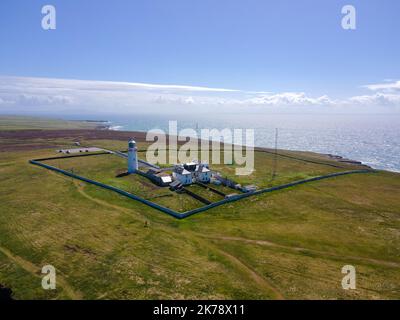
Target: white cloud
189,100
289,99
384,87
174,87
91,85
381,99
173,99
37,100
386,94
3,101
26,94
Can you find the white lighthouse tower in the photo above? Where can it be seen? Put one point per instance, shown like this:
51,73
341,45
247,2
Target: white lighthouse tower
132,156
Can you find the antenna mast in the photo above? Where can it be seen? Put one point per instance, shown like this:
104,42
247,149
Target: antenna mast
275,161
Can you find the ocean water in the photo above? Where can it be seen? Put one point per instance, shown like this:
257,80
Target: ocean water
373,139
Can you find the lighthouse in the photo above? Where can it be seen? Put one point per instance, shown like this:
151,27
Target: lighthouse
132,156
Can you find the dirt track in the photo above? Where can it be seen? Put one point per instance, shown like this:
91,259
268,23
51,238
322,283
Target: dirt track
35,270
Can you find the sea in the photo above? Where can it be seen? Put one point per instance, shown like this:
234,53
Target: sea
373,139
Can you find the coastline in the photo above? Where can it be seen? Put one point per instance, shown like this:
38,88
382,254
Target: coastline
328,156
113,130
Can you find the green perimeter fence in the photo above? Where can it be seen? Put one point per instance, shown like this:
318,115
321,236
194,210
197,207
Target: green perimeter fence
186,214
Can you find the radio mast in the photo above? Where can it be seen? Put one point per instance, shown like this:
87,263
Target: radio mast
275,161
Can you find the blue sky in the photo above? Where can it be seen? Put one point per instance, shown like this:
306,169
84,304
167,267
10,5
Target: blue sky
278,47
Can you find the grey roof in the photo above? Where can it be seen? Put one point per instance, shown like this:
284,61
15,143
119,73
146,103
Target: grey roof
175,183
181,170
202,168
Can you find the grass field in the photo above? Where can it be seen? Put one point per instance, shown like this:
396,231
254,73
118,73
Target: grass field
106,168
289,244
24,123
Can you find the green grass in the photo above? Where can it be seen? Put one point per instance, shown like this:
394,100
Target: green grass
291,243
105,168
23,123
